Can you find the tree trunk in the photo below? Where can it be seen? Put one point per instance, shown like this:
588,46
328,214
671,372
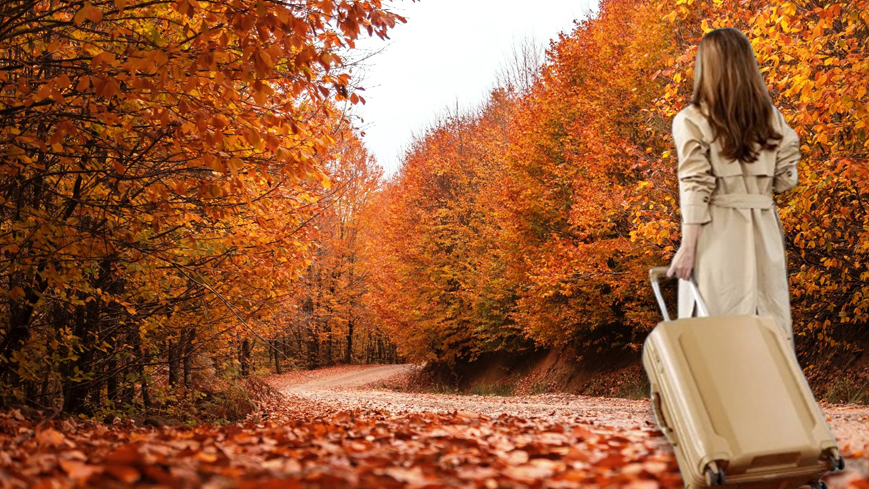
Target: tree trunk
276,350
348,356
187,359
244,357
328,342
313,350
174,361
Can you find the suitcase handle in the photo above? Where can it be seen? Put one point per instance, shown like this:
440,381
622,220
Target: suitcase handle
658,408
655,275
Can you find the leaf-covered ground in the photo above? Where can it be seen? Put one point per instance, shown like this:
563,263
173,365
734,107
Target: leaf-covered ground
332,431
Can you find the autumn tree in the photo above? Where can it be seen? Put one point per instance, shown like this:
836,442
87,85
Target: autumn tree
555,209
160,164
335,323
576,153
813,58
506,227
442,289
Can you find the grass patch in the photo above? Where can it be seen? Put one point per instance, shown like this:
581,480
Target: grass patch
634,387
539,388
439,388
495,389
846,391
636,391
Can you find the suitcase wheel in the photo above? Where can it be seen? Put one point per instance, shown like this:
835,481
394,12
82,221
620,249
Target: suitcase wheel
837,463
818,485
715,475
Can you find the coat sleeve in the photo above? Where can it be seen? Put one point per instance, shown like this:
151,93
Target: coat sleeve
696,180
786,157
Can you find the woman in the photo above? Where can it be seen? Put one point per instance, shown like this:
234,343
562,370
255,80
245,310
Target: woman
734,149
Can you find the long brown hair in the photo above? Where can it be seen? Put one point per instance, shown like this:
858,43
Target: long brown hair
728,82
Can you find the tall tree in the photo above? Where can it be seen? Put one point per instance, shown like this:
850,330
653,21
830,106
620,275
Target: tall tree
161,158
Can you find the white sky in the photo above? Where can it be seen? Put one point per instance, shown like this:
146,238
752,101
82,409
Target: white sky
449,52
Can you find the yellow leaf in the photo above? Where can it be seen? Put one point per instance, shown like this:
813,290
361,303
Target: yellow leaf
81,15
87,12
63,81
16,294
79,470
50,437
216,163
234,165
83,84
43,92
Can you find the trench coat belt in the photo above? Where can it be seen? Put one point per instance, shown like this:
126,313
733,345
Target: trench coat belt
743,201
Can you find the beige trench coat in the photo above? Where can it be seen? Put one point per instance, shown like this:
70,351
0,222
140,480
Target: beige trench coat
740,265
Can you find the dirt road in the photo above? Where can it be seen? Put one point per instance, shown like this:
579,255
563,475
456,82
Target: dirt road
342,378
350,388
335,429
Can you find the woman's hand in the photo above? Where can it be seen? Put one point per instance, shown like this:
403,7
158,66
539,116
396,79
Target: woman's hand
683,263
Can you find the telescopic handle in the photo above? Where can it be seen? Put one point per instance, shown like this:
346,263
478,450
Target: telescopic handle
656,273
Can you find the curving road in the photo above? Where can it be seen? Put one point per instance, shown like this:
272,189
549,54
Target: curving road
351,388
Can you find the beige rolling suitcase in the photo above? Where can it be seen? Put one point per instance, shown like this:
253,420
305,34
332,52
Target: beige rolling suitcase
730,396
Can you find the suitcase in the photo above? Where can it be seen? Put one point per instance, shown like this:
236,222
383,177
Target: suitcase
730,396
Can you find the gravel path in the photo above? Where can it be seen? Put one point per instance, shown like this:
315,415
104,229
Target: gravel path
350,388
343,378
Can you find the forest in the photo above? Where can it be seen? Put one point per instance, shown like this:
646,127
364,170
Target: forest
207,280
186,203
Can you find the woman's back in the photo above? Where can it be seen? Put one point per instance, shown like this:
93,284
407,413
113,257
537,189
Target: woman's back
740,254
732,156
772,171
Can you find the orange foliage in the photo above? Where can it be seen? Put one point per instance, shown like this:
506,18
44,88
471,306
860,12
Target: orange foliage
439,274
161,163
511,227
540,223
179,184
814,60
